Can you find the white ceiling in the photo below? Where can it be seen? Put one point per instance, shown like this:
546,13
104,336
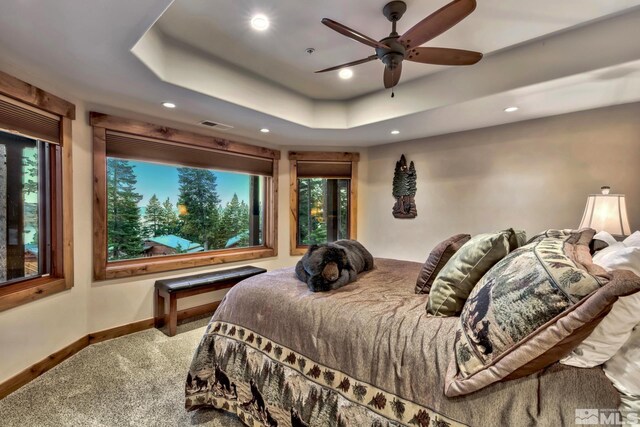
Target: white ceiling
83,49
221,29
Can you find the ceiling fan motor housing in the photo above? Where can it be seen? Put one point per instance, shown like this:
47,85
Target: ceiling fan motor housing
394,55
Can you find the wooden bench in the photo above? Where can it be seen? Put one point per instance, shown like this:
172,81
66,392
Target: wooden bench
182,287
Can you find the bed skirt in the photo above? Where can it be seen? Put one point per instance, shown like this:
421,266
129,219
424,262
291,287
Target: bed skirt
267,384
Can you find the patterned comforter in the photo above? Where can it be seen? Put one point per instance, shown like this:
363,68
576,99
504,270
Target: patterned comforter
367,354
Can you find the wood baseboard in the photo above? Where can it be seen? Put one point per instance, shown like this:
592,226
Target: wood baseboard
29,374
118,331
33,372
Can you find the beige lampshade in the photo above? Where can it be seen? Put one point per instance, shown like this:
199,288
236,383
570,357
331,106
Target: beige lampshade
606,212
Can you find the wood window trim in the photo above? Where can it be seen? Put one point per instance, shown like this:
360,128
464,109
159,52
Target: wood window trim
104,270
13,295
24,92
320,156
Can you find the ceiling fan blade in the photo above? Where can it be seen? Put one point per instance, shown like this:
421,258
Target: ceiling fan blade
442,56
392,77
437,23
353,34
349,64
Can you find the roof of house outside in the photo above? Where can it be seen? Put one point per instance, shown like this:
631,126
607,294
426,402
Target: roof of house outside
235,239
175,242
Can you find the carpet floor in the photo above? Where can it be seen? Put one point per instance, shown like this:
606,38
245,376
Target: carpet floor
135,380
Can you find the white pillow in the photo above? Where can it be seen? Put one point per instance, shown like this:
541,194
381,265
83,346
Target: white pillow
605,237
602,255
615,329
633,240
624,372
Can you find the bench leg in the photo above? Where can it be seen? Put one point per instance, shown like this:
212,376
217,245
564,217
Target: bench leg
158,309
173,314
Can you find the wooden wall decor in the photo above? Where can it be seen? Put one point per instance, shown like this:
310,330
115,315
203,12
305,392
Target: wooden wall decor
404,189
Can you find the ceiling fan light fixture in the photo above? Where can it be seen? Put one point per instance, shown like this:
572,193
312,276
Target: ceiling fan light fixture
346,73
511,109
260,22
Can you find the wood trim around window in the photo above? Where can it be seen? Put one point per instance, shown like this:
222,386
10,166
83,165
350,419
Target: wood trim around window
104,270
61,277
319,156
24,92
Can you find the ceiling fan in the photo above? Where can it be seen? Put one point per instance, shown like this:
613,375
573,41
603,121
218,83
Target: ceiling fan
395,48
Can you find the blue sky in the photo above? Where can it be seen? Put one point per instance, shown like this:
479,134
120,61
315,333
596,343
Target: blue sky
162,180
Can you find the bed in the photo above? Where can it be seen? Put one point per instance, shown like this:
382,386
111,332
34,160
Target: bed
367,354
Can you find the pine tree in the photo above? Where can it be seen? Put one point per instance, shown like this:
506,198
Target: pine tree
153,218
123,214
304,210
287,397
412,180
200,199
309,403
400,185
230,223
170,221
243,224
30,170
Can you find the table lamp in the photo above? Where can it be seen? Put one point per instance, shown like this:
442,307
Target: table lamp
607,212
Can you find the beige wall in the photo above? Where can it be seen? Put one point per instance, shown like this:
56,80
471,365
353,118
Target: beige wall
531,175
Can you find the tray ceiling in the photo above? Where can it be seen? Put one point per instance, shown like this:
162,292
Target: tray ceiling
221,29
126,57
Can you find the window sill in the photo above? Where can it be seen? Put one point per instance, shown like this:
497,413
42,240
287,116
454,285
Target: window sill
136,267
300,250
30,290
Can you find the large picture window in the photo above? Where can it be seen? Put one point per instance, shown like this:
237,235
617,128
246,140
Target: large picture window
169,199
36,227
156,209
323,198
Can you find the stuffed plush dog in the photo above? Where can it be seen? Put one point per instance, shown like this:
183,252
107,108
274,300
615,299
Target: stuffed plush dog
333,265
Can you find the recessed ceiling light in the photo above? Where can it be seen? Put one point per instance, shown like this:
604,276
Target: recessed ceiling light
265,130
395,132
346,73
510,109
168,105
260,22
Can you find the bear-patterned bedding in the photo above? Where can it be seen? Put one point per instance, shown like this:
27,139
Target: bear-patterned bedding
367,354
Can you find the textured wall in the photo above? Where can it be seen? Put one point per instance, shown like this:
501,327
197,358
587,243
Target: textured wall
532,175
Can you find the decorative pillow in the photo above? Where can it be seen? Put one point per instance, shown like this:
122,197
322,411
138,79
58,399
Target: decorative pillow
466,267
437,259
615,329
530,310
517,240
582,236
